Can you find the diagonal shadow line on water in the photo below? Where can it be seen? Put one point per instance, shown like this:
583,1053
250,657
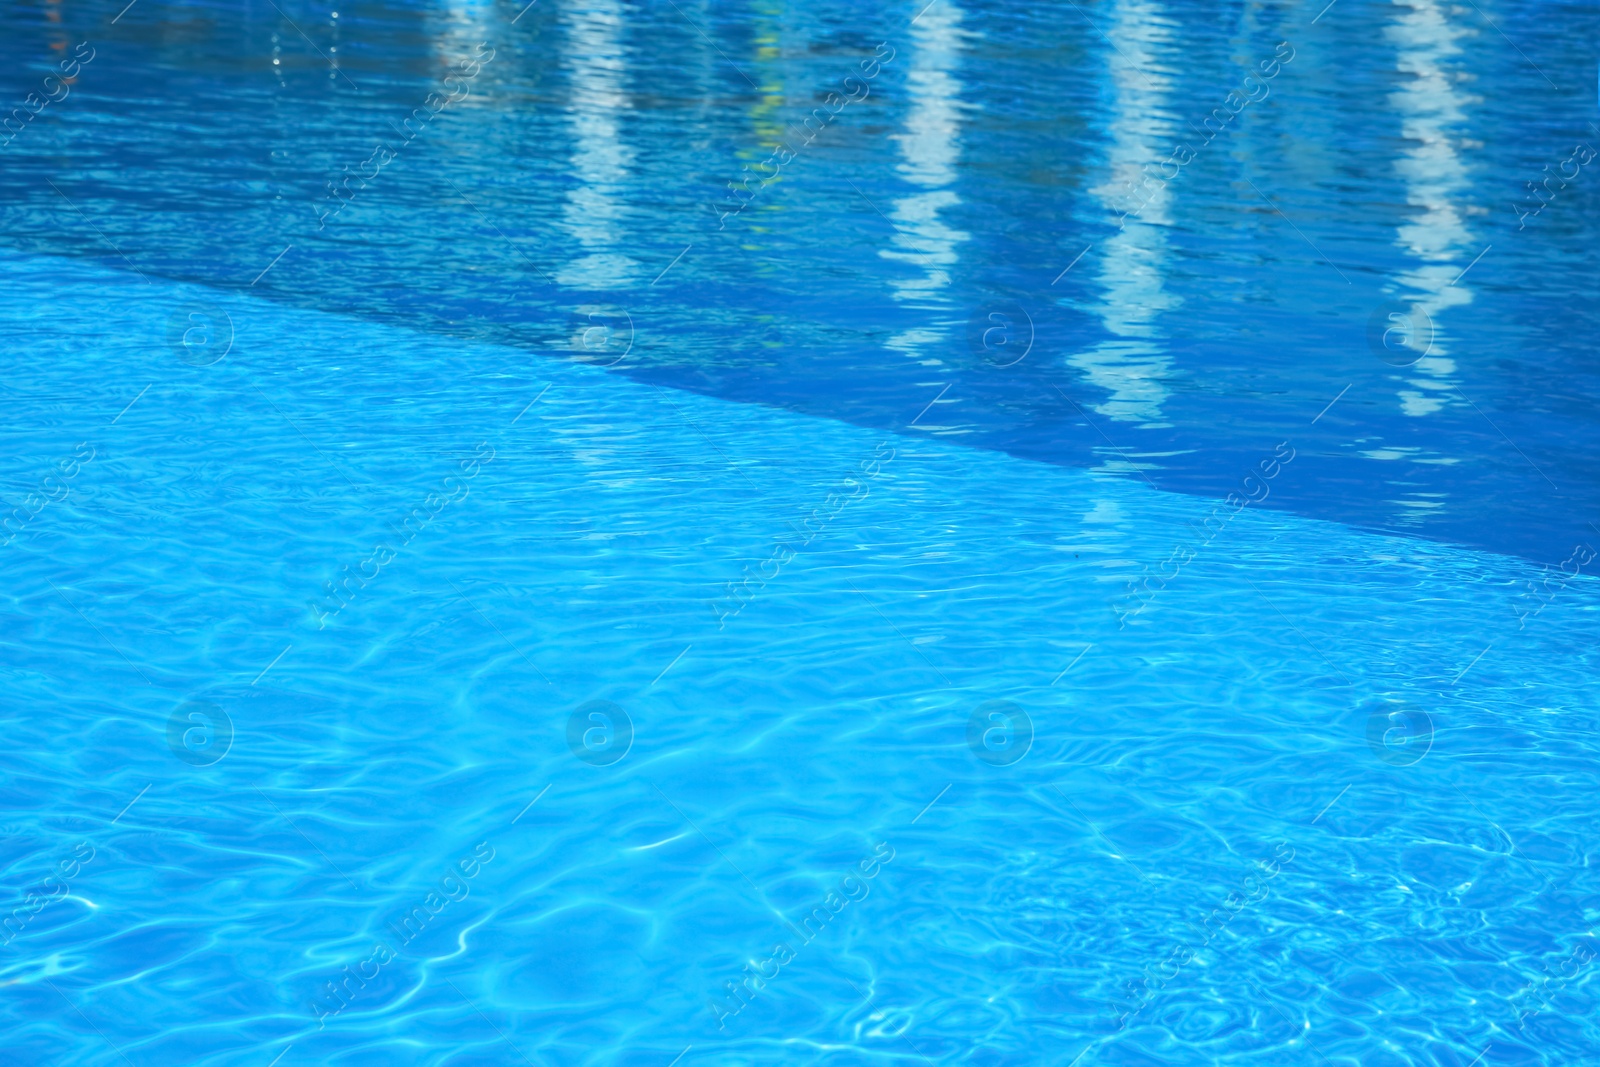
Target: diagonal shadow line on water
1114,447
760,495
308,840
98,230
929,405
1293,509
666,396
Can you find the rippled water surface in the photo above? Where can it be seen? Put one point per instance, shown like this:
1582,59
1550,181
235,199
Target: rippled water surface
687,533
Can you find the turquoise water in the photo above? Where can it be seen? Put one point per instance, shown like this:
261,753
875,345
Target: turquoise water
1428,912
840,644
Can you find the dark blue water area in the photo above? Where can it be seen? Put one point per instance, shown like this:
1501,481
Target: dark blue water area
572,206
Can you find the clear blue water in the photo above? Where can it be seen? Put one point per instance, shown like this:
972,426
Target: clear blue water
536,605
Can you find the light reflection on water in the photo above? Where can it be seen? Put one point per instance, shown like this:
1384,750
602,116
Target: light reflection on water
929,146
602,139
595,213
1433,115
1132,363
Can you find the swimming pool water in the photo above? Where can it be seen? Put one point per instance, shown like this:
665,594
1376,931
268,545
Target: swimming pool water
540,617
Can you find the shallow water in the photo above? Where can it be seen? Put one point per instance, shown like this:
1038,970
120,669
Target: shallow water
779,490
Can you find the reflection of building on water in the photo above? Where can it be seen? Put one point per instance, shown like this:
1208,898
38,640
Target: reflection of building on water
766,115
459,26
594,211
1132,363
1435,180
930,146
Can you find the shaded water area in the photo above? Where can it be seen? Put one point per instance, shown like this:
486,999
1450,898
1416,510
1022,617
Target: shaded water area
1235,248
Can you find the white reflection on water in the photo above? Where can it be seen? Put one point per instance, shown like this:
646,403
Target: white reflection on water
1431,111
930,147
459,27
594,210
1132,364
